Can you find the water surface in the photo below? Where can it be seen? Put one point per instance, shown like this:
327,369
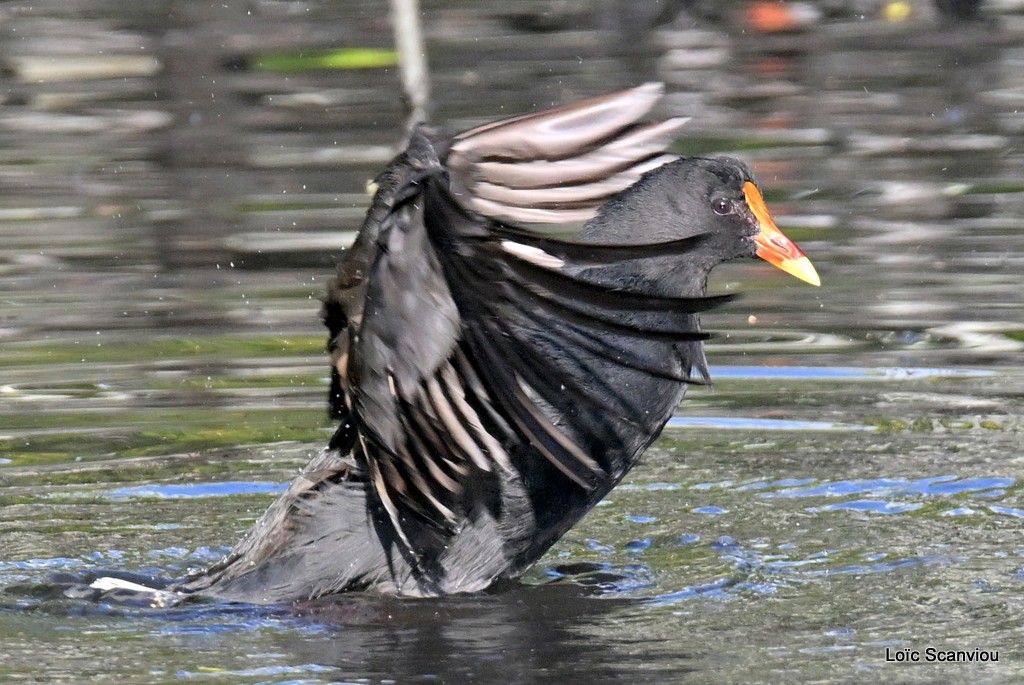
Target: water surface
850,485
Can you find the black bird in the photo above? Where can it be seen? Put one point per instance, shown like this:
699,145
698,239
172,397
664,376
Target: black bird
493,383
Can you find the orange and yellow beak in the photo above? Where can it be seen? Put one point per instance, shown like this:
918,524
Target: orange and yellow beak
772,244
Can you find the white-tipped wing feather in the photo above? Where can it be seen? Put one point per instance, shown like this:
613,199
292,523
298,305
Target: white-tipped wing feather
560,165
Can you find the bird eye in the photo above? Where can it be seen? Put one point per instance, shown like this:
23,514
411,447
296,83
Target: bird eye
722,205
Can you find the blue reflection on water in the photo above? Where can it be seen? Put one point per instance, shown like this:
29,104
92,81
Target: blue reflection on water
714,588
56,563
760,424
894,487
873,506
1009,511
886,566
766,573
844,372
224,489
897,496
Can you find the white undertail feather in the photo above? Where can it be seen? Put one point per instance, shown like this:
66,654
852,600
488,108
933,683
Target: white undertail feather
160,598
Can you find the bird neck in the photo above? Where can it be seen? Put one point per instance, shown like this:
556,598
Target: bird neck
617,223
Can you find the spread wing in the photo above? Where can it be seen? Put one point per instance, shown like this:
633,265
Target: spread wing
437,311
562,164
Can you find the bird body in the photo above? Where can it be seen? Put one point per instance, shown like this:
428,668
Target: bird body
493,383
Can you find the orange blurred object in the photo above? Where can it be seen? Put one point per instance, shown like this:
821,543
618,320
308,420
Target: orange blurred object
778,17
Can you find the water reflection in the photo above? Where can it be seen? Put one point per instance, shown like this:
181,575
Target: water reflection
173,208
507,637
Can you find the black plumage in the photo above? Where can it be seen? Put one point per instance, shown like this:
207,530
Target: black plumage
492,383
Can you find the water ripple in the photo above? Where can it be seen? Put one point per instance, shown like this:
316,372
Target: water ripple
890,487
886,566
870,505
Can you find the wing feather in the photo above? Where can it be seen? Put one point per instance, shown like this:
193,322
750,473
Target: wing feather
453,423
639,143
438,314
585,193
555,133
453,387
560,165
